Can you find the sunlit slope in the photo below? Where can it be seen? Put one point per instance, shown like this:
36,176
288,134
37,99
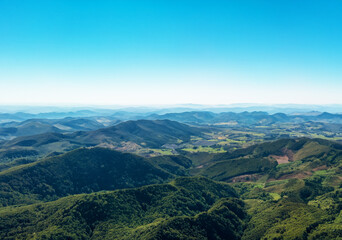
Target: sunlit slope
282,159
187,208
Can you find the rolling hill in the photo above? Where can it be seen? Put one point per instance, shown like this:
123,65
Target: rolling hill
245,118
281,159
78,171
187,208
127,136
289,188
28,127
149,133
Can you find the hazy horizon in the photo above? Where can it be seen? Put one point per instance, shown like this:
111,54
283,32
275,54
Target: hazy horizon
173,108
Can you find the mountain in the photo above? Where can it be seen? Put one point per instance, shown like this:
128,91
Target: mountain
79,171
19,116
187,208
11,130
27,128
149,133
245,118
77,124
186,117
281,159
251,118
126,136
42,114
41,144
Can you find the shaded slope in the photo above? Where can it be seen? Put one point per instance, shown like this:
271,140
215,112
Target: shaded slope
142,132
36,146
40,126
175,164
79,171
35,141
28,128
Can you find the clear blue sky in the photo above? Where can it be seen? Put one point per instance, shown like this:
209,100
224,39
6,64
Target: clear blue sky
168,52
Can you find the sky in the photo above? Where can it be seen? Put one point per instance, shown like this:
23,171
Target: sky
69,52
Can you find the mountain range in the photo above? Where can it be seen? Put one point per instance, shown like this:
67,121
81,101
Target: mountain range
127,135
98,179
26,125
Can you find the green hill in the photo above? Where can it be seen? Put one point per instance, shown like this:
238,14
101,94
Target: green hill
225,170
187,208
79,171
175,164
148,133
297,215
281,159
301,147
286,189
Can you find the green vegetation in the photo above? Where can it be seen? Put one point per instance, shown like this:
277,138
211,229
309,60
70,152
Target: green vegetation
284,189
175,164
188,208
301,158
150,138
204,149
305,209
224,170
79,171
282,220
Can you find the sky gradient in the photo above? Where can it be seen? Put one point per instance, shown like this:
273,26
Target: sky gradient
170,52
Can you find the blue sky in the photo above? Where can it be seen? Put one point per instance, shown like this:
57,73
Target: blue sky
170,52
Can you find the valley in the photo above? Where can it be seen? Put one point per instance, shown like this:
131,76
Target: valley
164,179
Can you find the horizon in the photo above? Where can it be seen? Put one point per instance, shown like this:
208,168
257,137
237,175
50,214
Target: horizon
147,52
175,108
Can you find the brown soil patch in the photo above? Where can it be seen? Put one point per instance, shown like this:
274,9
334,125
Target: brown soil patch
289,154
245,178
280,159
286,158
